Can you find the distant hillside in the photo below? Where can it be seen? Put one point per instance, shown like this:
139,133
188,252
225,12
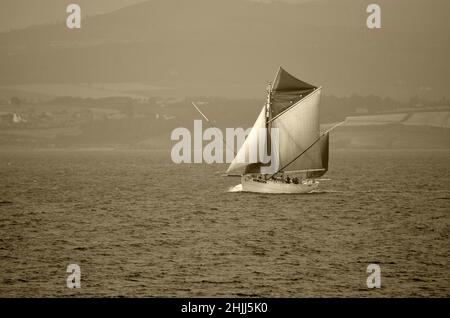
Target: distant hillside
18,14
232,48
370,122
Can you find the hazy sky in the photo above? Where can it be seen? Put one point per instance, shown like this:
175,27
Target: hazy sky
16,14
208,47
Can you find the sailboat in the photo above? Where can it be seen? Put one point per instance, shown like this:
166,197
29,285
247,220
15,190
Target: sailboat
301,151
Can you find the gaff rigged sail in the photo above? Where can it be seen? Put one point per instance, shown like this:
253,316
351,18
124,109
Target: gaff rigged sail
294,111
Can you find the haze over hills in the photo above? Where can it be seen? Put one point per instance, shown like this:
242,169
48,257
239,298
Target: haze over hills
132,73
18,14
232,48
118,122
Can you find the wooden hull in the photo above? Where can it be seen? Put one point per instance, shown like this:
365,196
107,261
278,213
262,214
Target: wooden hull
250,185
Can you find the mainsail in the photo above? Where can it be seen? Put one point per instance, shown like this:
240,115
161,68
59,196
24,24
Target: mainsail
294,110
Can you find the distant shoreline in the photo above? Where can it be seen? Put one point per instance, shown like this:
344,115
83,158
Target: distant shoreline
120,149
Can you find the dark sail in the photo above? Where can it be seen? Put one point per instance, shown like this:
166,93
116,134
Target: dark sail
286,91
322,147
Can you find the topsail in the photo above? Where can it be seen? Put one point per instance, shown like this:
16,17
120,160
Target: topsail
286,91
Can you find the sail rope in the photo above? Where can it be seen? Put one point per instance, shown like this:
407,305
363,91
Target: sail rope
309,147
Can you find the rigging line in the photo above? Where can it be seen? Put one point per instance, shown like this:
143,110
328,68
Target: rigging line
335,126
326,132
297,156
210,126
201,113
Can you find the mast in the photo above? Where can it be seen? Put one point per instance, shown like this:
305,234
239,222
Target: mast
268,118
268,101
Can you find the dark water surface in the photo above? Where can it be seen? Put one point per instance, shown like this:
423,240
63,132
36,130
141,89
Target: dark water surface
139,225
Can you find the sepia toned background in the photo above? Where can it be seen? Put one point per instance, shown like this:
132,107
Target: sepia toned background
126,78
86,174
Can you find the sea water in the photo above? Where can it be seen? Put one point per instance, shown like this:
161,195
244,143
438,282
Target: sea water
139,225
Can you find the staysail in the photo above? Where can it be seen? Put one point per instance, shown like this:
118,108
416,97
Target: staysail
294,111
243,162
